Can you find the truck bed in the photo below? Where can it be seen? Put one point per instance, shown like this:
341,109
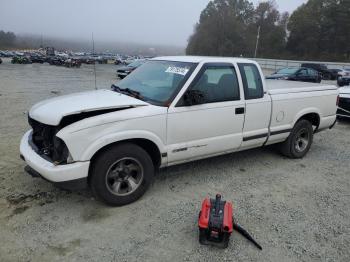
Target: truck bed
276,87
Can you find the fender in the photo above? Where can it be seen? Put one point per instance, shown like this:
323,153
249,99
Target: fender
309,110
118,137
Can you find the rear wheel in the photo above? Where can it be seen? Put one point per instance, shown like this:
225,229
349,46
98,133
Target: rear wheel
121,174
299,141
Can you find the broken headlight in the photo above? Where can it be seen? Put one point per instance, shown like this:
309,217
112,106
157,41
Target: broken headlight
60,152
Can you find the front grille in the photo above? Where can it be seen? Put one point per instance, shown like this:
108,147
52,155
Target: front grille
42,137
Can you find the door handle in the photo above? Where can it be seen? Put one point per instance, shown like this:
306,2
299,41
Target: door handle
240,110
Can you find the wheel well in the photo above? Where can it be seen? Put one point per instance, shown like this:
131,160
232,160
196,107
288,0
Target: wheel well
313,118
147,145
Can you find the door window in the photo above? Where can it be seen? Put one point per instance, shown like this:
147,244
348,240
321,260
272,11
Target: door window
252,83
216,84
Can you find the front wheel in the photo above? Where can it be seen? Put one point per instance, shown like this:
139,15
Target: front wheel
299,141
340,83
121,174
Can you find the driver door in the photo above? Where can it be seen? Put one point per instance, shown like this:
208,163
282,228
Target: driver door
215,125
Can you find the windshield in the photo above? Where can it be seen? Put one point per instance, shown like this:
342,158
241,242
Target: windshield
287,71
158,82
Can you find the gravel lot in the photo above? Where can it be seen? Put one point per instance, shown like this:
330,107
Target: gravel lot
298,210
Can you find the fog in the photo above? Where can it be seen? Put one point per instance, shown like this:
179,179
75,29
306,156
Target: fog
165,22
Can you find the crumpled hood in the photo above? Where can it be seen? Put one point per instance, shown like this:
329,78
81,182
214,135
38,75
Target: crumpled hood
51,111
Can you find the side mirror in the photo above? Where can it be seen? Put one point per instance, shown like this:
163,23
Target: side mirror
194,97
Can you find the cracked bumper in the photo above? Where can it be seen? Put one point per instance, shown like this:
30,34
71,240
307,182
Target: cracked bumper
49,171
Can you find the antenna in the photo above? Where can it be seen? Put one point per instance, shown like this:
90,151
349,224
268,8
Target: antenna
93,53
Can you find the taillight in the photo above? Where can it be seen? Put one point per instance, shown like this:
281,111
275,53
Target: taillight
337,100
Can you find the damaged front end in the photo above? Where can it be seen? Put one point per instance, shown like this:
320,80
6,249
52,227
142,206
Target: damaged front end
45,143
52,148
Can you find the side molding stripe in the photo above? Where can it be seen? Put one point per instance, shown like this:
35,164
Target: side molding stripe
265,135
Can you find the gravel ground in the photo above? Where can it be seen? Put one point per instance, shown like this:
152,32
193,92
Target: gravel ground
298,210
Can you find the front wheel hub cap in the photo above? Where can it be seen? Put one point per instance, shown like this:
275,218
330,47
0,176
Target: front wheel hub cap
124,176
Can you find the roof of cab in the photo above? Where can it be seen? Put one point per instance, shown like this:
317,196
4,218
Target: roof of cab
199,59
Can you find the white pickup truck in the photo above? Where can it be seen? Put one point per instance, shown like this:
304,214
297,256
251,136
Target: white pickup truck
169,111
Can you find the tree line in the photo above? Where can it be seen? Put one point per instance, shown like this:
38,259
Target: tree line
7,39
317,30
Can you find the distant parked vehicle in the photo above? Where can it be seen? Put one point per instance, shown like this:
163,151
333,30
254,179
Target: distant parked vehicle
37,59
0,61
56,60
326,74
297,74
118,61
344,77
126,70
21,60
87,60
6,54
72,63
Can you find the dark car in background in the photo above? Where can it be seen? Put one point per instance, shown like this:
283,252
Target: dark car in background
297,74
0,61
126,70
37,59
56,60
326,74
344,77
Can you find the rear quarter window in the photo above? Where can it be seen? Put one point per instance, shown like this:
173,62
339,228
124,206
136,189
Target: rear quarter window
252,83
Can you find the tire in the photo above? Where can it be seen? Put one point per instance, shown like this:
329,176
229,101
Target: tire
121,174
299,141
340,83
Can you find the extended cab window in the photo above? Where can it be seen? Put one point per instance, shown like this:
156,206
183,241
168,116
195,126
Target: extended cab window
217,83
252,83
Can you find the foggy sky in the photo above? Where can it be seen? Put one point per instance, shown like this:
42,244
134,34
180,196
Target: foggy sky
168,22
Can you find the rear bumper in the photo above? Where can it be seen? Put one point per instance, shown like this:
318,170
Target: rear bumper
49,171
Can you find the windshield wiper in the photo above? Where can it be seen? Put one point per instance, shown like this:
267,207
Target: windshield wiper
129,91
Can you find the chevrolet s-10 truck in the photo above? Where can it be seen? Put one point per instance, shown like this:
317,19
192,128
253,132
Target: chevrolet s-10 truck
169,111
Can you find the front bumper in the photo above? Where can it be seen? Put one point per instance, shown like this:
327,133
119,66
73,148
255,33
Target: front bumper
49,171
